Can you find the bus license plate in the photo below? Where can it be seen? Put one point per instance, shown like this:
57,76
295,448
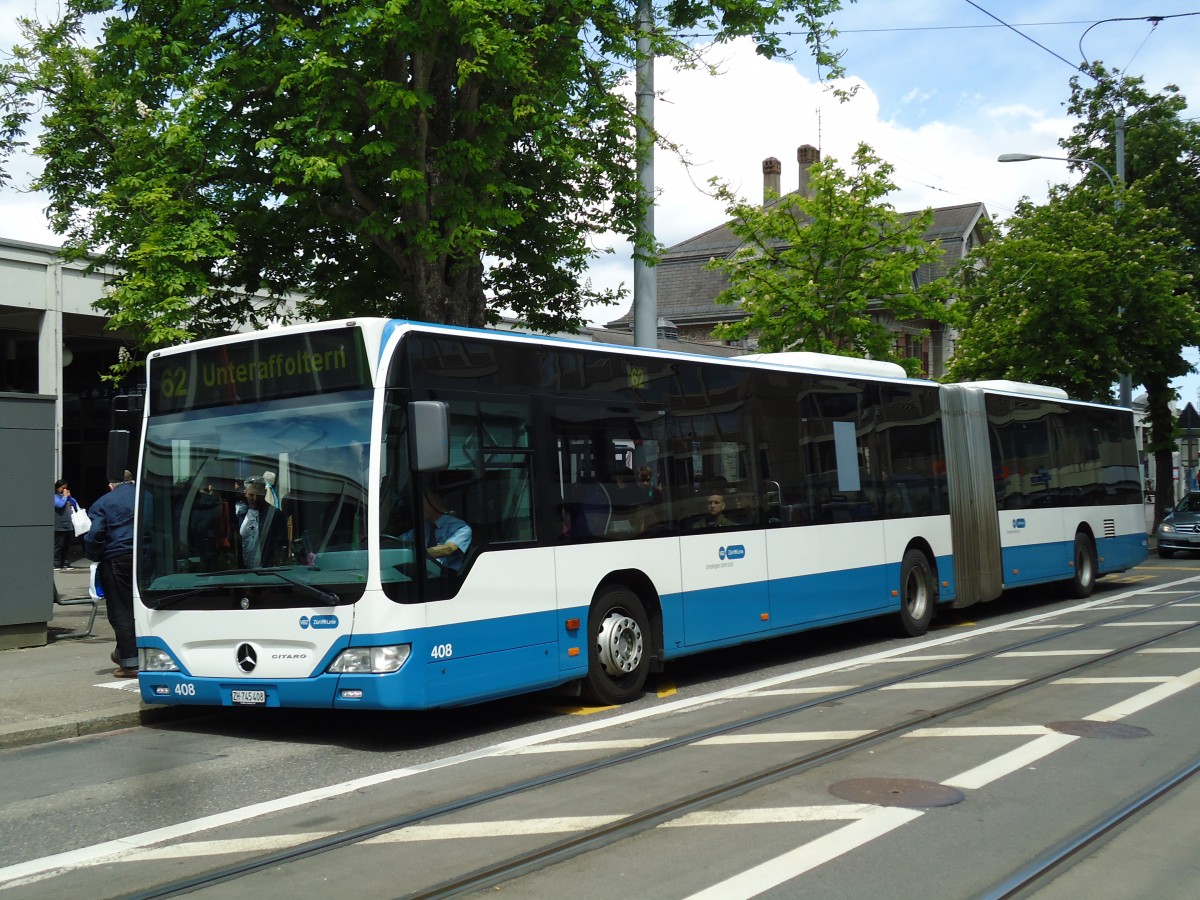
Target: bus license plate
249,698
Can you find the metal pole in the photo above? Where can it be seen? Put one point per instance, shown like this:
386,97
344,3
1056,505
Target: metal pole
1125,384
645,288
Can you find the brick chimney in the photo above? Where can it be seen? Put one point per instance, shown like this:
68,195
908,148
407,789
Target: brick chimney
772,169
806,155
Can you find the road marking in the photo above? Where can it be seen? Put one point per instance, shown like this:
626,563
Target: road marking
505,828
833,812
1170,650
1141,701
792,692
1154,624
1025,654
265,844
1009,762
1133,679
921,685
982,731
808,856
1044,627
781,737
131,685
781,815
43,867
624,744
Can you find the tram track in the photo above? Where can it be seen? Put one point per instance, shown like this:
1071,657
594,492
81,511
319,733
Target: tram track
584,841
1049,864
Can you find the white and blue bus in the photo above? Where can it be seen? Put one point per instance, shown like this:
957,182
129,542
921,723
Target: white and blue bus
626,507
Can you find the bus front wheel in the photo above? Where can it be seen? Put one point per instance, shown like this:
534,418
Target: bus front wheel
1083,581
618,651
917,595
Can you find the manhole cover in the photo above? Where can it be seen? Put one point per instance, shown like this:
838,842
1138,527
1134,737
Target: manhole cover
1088,729
910,793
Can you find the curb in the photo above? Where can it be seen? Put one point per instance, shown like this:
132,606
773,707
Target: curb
59,731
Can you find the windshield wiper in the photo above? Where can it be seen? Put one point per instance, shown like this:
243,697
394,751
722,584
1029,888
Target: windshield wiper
326,597
172,599
305,588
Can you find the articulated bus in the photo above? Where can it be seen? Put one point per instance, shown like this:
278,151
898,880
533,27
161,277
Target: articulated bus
625,508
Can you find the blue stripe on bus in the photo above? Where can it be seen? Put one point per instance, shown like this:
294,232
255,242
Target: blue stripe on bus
1041,563
427,680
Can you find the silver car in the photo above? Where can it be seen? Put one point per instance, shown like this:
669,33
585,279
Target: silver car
1180,530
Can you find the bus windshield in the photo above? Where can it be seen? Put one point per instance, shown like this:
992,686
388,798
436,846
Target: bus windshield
269,495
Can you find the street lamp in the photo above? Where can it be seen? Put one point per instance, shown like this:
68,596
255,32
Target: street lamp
1125,384
1025,157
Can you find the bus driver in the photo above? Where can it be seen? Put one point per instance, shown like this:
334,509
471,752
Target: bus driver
447,537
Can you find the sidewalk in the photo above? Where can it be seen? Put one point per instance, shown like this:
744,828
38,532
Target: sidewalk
66,688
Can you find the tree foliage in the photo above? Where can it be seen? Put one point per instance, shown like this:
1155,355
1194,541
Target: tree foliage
815,272
1096,284
1076,293
1161,146
439,161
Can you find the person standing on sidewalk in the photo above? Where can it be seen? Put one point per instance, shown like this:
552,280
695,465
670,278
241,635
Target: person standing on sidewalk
64,529
110,542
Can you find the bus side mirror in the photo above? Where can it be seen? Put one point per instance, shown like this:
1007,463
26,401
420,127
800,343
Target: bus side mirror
118,455
429,435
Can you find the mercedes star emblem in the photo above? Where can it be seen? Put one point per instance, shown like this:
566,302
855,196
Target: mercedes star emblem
247,659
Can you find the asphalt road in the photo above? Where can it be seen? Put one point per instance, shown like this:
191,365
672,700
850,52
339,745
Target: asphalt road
114,815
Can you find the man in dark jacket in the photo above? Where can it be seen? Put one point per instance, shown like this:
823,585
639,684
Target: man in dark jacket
110,542
261,528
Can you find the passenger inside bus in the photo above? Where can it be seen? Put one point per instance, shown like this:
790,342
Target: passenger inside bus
715,518
262,529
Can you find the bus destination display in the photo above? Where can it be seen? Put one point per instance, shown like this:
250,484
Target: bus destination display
266,369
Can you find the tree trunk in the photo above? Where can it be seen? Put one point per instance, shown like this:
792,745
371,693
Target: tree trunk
1162,443
450,292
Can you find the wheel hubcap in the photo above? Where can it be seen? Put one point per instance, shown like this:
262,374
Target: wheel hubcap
917,595
1083,565
619,644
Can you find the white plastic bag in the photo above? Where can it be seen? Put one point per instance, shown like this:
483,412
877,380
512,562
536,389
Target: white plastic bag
81,522
95,588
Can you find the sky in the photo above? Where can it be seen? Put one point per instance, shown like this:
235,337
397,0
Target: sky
943,89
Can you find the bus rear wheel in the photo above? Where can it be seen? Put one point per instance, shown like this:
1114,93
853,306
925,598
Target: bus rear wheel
618,651
1083,581
917,595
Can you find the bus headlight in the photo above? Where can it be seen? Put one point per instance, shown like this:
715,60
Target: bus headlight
155,660
373,660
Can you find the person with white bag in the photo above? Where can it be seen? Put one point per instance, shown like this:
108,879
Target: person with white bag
66,510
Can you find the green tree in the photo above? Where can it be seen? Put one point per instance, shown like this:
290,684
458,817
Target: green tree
440,161
1162,157
817,272
1079,294
1161,146
1075,293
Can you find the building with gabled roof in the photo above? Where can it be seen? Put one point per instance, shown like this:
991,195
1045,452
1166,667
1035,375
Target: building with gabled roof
687,290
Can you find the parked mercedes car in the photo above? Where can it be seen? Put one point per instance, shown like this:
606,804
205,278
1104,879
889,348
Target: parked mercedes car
1180,530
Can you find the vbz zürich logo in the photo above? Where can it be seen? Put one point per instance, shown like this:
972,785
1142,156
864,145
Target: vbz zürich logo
1018,523
736,551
